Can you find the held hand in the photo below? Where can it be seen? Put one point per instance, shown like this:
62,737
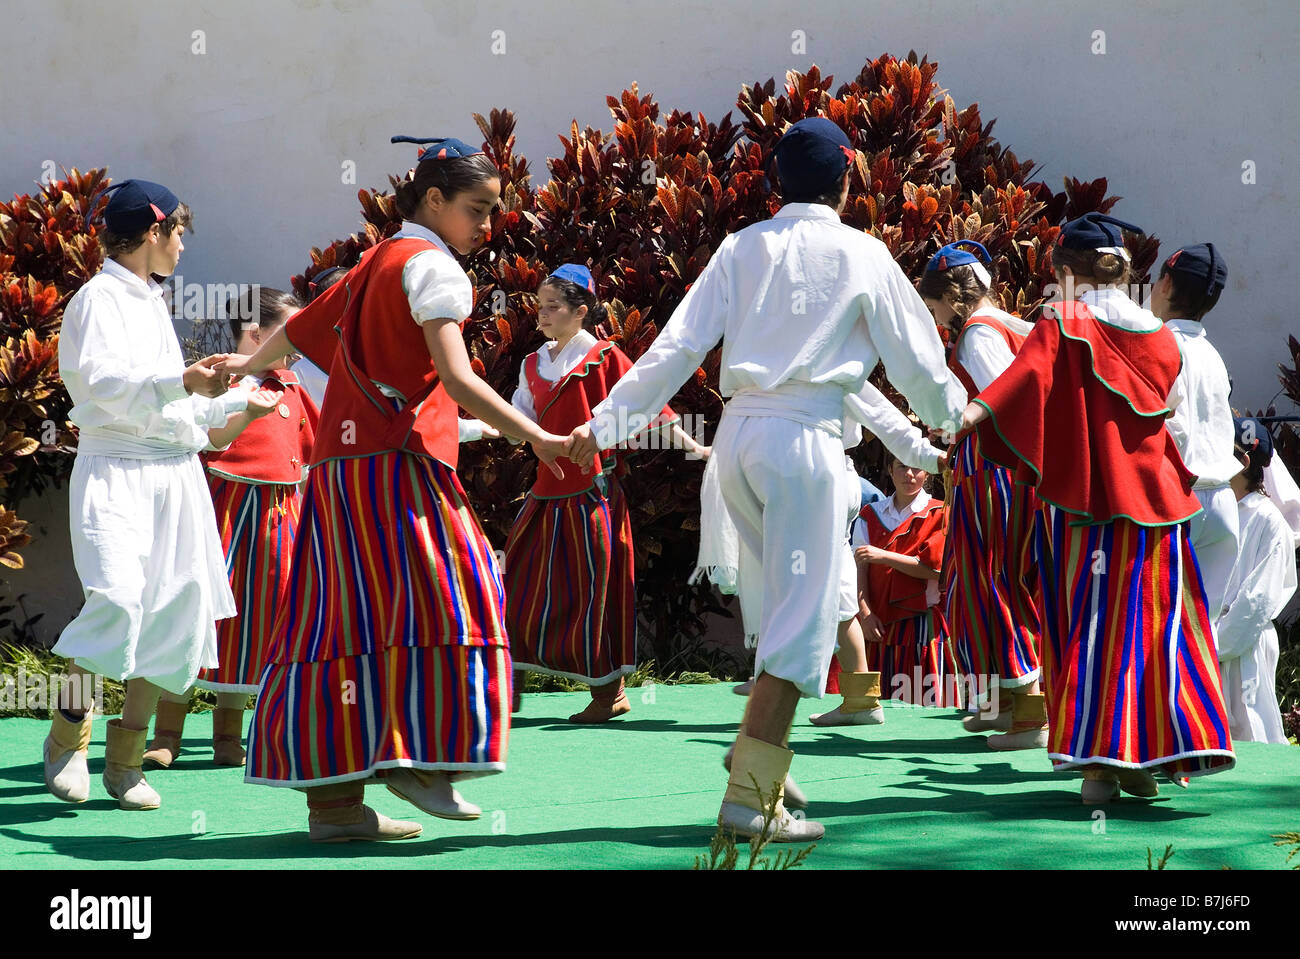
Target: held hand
233,364
583,448
873,629
703,452
865,555
550,450
261,402
205,378
943,461
491,432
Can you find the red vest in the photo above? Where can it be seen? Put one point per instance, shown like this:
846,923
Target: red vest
361,330
275,448
893,595
1081,415
566,404
1013,340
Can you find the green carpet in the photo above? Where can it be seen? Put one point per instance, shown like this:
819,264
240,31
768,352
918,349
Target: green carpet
643,791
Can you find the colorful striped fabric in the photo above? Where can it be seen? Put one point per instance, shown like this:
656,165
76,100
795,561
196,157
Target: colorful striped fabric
991,610
570,597
257,523
392,644
915,662
1129,664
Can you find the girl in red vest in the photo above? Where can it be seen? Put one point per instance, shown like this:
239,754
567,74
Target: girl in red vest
1128,656
898,545
570,597
989,600
255,485
393,660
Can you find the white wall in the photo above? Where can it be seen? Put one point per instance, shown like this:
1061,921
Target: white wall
253,132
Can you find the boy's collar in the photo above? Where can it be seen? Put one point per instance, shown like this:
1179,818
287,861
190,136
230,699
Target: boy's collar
813,211
1191,327
134,284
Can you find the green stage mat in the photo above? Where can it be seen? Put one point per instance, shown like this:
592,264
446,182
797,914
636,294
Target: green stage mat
642,792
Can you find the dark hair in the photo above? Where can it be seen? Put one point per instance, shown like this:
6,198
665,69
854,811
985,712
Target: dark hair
114,244
323,280
958,281
575,296
1189,301
260,305
827,196
1104,268
1252,474
451,175
890,460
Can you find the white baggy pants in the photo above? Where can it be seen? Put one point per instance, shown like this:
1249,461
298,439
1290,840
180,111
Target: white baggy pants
1215,540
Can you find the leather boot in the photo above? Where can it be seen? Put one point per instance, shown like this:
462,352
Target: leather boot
336,814
123,778
168,724
227,737
607,701
1028,725
66,774
742,807
861,705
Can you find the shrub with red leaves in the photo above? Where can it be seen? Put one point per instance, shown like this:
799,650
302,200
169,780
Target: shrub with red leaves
47,251
647,203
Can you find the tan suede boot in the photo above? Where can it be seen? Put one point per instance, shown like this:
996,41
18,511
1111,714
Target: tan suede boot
767,765
861,705
168,724
986,720
227,737
337,814
123,778
607,701
1028,725
66,775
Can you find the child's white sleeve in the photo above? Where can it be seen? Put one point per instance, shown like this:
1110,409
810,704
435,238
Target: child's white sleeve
887,423
436,287
983,354
858,533
523,400
97,373
469,431
1264,588
902,330
695,328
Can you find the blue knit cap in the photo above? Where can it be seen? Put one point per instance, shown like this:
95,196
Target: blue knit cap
812,156
1202,261
439,148
576,273
136,205
963,253
1097,231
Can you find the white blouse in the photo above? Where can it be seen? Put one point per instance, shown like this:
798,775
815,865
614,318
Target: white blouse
551,370
122,365
982,352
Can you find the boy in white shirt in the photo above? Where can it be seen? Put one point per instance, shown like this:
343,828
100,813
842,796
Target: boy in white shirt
144,537
805,307
1189,286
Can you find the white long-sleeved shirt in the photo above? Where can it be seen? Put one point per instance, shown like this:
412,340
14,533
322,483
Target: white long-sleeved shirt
551,369
1202,424
982,352
122,365
1263,579
800,300
887,423
1261,584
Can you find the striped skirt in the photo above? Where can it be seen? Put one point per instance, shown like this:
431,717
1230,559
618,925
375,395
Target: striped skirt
1129,665
570,601
391,648
257,523
915,662
992,609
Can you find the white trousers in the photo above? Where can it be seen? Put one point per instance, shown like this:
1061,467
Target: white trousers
147,551
1250,693
1214,540
785,487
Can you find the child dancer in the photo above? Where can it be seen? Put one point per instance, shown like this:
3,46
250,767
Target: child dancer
1128,656
255,486
1261,584
143,536
898,546
570,597
804,306
1188,288
989,604
392,655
